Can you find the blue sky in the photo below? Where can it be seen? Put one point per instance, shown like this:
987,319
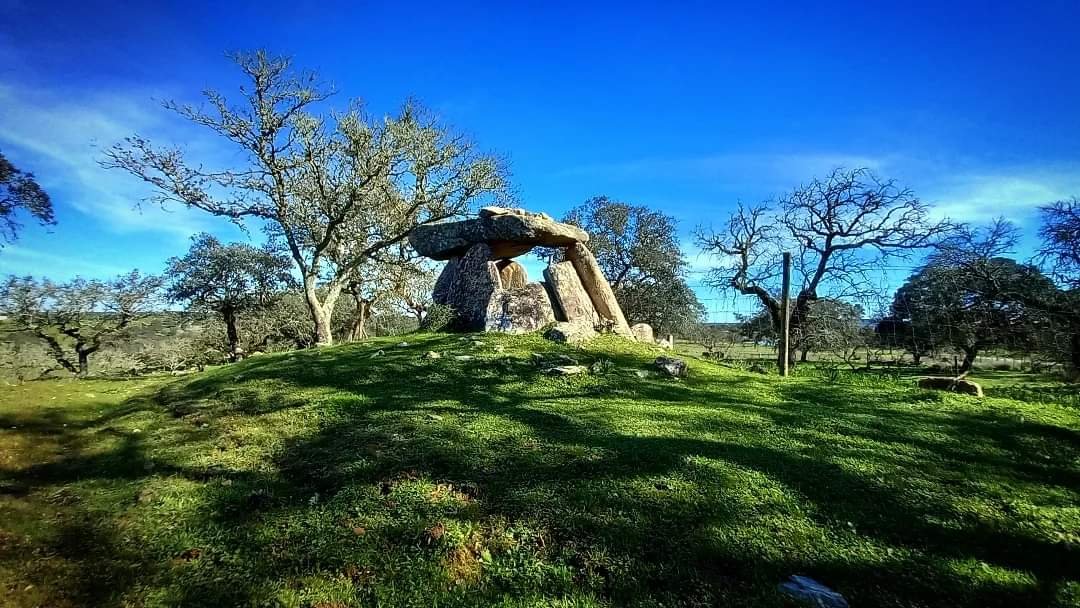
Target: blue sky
687,109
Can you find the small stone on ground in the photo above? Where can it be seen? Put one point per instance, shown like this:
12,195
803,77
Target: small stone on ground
676,368
566,370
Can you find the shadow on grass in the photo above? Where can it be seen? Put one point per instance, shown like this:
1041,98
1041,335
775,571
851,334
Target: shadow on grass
630,489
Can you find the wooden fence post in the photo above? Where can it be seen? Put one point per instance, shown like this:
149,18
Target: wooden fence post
785,318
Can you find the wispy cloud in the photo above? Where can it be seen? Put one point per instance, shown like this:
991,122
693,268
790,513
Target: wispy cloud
966,195
64,135
1010,193
20,260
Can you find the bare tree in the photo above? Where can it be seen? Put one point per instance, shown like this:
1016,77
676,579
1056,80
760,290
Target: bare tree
335,189
1060,232
979,254
75,319
718,341
839,229
831,326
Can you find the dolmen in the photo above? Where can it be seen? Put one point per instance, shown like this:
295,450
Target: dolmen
489,291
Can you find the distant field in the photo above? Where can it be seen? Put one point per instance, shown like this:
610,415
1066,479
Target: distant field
760,351
367,474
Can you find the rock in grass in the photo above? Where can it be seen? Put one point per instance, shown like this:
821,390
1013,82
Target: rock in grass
566,370
673,367
643,332
377,353
570,332
812,593
432,355
956,385
463,358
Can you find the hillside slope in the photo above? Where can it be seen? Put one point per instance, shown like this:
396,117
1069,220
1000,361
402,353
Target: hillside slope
369,474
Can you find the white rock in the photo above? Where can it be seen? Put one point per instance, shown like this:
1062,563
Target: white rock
566,370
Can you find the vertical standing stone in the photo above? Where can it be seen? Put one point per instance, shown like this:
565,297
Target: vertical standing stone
512,274
598,288
476,280
573,301
444,284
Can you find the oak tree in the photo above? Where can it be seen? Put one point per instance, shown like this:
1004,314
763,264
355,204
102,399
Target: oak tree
839,229
1060,232
76,319
638,250
335,189
228,280
19,191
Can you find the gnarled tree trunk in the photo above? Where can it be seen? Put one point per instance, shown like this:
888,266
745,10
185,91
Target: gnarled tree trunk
358,323
232,334
970,352
83,351
321,311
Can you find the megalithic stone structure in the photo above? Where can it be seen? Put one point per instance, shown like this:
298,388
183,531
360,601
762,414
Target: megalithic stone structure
488,291
486,297
569,294
598,288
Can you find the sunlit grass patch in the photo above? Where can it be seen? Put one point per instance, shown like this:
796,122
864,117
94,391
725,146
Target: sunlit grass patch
369,474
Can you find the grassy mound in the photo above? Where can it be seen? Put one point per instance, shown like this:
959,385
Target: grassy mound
368,474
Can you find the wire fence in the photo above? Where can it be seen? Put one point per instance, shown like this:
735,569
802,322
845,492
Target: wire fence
727,306
1041,344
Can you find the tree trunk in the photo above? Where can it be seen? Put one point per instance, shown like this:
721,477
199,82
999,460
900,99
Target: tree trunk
358,324
83,350
803,354
969,358
916,357
321,312
233,334
324,331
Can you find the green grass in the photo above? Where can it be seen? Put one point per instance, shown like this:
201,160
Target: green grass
337,478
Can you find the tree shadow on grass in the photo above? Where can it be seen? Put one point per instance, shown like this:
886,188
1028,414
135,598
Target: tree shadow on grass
836,492
605,477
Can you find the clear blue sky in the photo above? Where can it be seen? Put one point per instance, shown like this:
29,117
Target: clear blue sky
976,106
